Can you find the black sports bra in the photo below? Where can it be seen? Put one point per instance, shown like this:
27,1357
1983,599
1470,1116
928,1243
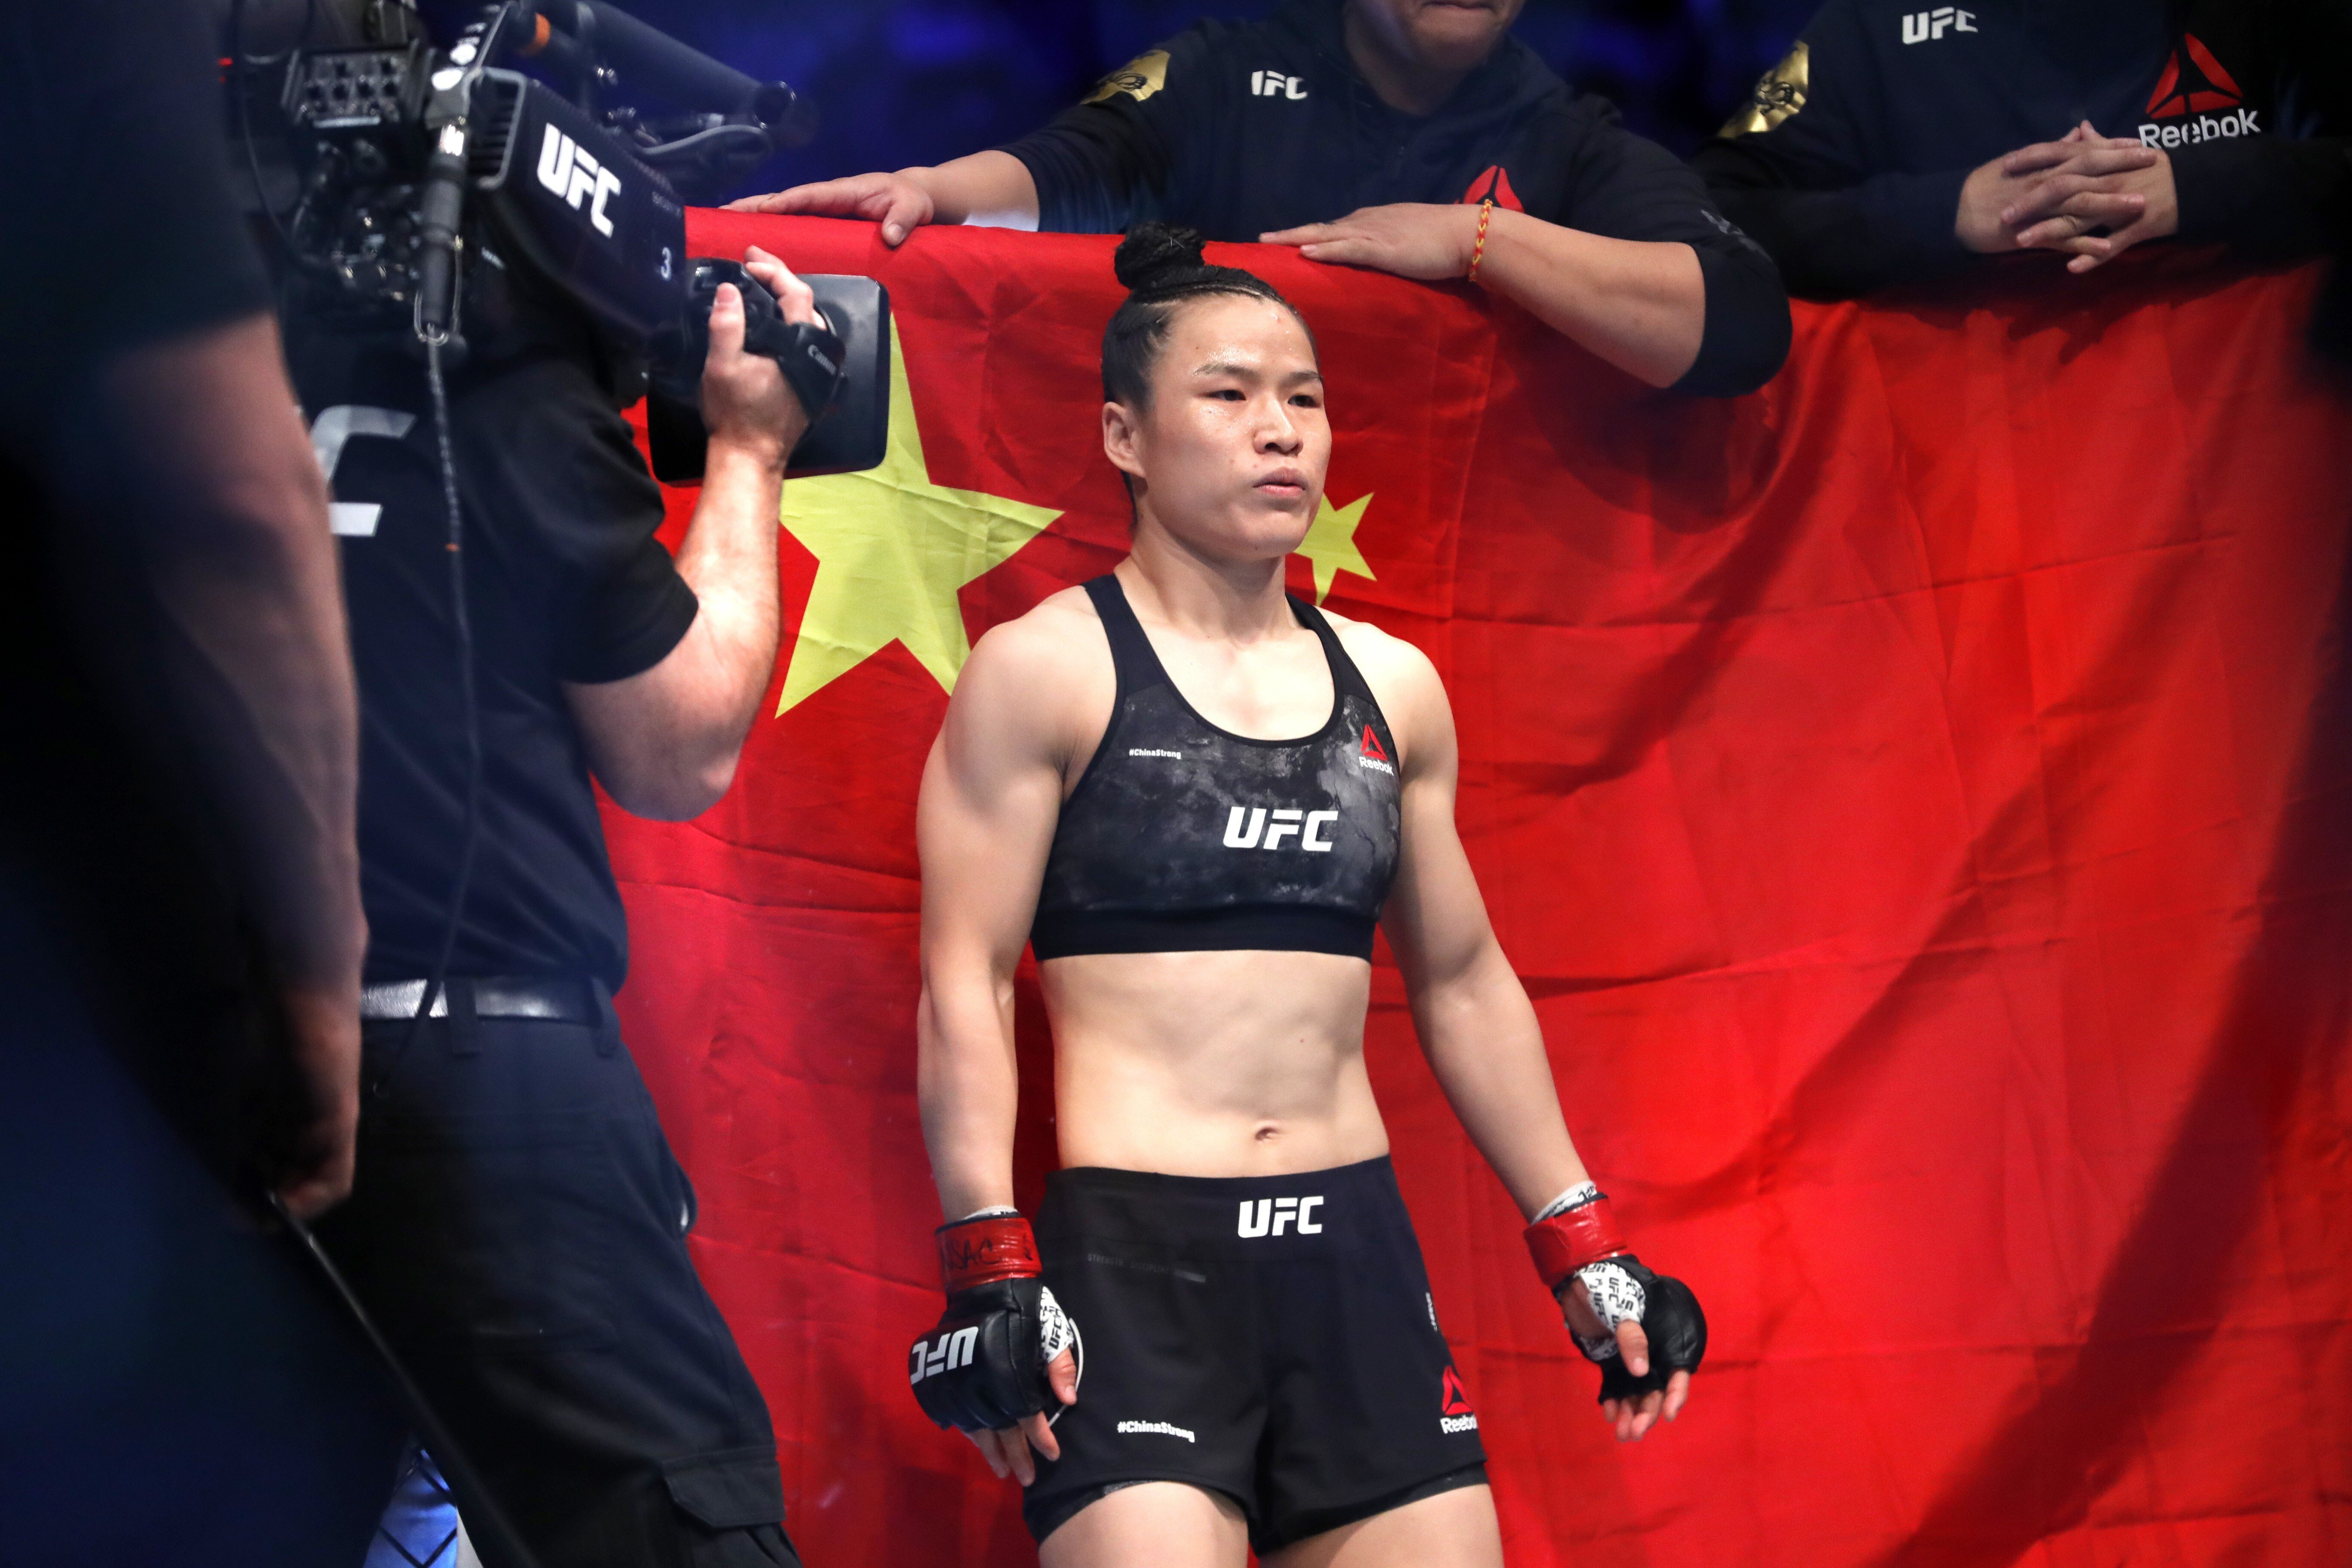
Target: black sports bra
1183,838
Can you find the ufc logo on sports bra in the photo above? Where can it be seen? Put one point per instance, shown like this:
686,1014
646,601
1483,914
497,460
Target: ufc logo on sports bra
1262,1217
951,1352
1249,827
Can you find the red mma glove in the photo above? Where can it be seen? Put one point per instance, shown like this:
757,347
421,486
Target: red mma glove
1576,1239
982,1366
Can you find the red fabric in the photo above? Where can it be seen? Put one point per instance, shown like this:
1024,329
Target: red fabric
1567,1242
1917,798
983,1251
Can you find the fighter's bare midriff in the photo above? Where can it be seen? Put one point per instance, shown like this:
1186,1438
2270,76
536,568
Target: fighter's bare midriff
1212,1064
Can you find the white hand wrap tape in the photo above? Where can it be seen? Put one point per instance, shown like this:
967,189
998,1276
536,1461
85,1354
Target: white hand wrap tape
1055,1331
1617,1297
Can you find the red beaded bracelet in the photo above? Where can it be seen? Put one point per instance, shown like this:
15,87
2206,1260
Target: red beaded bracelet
1478,251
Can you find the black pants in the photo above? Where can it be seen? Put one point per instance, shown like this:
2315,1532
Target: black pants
518,1230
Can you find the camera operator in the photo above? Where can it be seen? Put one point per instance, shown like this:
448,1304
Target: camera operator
518,1226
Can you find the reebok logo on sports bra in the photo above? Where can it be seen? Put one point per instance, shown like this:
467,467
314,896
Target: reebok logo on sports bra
1183,838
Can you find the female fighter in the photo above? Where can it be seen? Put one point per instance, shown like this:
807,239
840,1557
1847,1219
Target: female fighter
1195,797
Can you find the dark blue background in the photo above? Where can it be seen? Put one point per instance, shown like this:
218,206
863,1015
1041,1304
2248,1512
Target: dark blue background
916,81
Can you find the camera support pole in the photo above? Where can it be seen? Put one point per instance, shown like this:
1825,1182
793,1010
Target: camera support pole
485,1523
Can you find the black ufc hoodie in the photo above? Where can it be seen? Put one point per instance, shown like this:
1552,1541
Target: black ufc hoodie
1847,164
1242,130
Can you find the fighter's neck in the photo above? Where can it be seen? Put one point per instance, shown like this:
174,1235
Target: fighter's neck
1216,600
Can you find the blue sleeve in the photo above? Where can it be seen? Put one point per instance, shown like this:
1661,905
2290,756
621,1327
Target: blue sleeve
1110,159
2288,192
1627,187
1799,167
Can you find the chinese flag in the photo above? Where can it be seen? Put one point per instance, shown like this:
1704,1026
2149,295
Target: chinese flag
1917,797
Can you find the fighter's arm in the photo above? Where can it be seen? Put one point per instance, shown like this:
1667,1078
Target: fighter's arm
664,742
991,791
1477,1028
1477,1025
983,823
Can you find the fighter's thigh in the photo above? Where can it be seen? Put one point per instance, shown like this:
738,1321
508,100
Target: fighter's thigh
1455,1529
1153,1524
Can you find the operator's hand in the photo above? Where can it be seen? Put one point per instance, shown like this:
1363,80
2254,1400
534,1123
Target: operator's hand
745,401
1007,1450
2089,182
1412,239
1632,1418
894,201
307,1147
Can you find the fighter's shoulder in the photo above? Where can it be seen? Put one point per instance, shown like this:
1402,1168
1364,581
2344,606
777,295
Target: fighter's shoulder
1039,660
1399,673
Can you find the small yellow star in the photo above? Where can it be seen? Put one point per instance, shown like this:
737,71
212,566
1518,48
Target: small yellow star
892,548
1330,543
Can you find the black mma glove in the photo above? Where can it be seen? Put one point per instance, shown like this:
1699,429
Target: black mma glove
810,356
1577,1239
982,1366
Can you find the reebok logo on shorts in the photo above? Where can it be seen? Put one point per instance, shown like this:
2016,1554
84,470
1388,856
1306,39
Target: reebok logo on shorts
1157,1428
1262,1217
1454,1413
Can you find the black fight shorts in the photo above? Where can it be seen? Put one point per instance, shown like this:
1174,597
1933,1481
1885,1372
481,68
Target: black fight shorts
1269,1338
518,1230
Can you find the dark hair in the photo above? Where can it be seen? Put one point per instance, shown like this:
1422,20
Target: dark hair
1162,267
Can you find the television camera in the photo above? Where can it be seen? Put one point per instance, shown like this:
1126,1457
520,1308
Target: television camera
567,134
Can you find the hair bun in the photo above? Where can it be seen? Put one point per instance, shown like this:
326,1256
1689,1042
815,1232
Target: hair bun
1154,256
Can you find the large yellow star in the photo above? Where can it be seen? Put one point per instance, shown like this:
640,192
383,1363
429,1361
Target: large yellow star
1330,543
892,548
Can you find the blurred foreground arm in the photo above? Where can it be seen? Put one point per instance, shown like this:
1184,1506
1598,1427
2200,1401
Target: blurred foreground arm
233,526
